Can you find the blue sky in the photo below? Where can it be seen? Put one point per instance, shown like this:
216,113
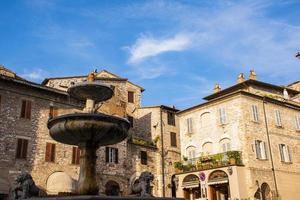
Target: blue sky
176,50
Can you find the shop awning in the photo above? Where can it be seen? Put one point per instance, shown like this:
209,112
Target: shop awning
219,181
191,184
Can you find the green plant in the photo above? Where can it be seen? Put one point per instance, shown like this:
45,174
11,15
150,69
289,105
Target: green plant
178,165
185,158
235,155
155,140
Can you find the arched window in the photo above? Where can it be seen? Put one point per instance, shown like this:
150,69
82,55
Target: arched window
207,148
205,120
191,152
225,145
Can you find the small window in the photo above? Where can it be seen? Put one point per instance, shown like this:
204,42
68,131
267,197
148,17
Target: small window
173,139
254,113
225,145
26,109
111,155
207,148
222,115
261,151
52,111
285,153
189,122
144,158
22,145
130,119
171,118
50,152
130,97
297,120
75,155
278,118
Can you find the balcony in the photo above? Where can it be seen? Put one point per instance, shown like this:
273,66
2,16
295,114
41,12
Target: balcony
225,159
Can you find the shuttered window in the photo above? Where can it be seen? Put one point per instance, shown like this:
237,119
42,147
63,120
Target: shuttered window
173,139
297,121
278,118
189,122
0,103
50,152
254,113
130,119
130,97
171,118
75,155
261,150
52,111
144,158
22,145
26,109
222,115
285,153
111,155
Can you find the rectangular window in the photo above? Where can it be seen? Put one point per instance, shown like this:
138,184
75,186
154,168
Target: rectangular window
189,122
75,155
50,152
285,153
22,145
278,118
144,157
130,97
222,115
261,151
297,120
254,113
171,118
26,109
111,155
130,119
173,139
52,111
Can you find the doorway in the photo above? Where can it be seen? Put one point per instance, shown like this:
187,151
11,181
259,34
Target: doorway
218,185
112,188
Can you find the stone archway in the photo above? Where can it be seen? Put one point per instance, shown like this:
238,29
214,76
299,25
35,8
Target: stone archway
265,191
191,187
112,188
60,182
218,185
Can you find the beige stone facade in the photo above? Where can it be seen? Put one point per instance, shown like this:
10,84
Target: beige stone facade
149,126
259,120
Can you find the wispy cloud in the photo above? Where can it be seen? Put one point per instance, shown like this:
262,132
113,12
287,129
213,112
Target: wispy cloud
35,74
148,46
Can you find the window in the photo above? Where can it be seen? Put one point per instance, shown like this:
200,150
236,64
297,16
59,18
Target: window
22,145
171,118
26,109
222,115
75,155
285,154
254,113
191,152
173,139
297,120
207,148
50,152
189,122
278,118
111,155
130,119
144,157
52,111
261,151
225,145
130,97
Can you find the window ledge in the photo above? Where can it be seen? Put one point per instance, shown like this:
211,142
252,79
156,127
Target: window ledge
281,127
287,162
255,122
262,159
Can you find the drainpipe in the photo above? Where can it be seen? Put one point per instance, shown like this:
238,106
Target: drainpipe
162,152
269,145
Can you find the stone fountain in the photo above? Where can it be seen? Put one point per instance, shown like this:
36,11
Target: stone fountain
89,130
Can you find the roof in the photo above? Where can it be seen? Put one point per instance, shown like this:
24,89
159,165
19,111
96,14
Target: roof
116,78
161,106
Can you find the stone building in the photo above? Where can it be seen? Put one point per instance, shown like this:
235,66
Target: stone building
26,145
242,143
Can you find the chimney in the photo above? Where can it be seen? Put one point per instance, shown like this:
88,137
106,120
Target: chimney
252,75
241,78
217,88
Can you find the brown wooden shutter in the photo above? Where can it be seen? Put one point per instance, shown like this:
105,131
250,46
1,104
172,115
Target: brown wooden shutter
78,152
52,152
19,148
0,102
51,111
144,158
28,109
23,109
107,154
24,148
116,156
48,152
130,97
173,139
73,155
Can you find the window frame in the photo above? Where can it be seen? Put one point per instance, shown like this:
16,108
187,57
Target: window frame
144,157
189,124
222,116
285,153
26,108
171,118
261,150
112,155
131,120
130,96
50,153
254,111
53,111
22,148
297,122
76,153
278,118
173,139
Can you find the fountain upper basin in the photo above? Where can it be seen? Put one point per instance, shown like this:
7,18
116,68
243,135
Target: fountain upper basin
96,128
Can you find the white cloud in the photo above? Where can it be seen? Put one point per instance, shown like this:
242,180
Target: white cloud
147,46
35,74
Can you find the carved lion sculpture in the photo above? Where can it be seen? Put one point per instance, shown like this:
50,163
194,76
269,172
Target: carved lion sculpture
142,187
26,186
